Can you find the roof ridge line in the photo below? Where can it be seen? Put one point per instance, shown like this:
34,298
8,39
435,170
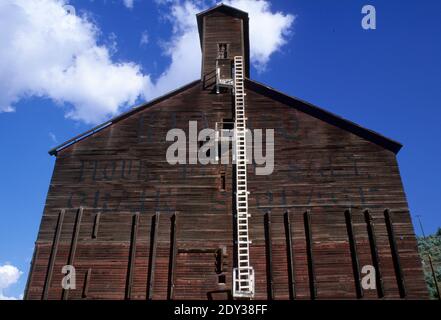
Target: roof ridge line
123,115
336,120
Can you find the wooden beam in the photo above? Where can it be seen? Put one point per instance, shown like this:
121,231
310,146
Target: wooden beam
269,256
290,256
73,246
374,253
31,271
310,254
197,250
172,261
395,254
354,254
96,225
53,254
132,256
86,283
153,249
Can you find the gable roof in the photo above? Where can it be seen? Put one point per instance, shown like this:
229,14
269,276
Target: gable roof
297,103
325,115
122,116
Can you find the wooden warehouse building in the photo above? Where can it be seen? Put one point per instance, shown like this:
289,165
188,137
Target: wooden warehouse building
135,226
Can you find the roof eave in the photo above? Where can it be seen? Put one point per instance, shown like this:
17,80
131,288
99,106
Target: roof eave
329,117
81,136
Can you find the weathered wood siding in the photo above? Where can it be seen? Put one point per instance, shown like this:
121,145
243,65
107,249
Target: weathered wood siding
151,230
326,170
122,170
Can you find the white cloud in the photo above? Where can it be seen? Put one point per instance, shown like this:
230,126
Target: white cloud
128,3
268,30
111,43
53,137
50,53
9,275
53,54
144,38
183,48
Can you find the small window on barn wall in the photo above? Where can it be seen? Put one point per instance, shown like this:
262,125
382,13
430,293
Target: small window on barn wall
222,50
227,124
221,279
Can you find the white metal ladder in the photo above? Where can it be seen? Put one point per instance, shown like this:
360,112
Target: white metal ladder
243,275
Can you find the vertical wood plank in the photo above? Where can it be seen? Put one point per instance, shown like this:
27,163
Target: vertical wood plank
96,224
310,254
73,246
374,253
395,254
153,249
53,254
31,271
290,255
172,261
86,283
354,254
132,255
269,256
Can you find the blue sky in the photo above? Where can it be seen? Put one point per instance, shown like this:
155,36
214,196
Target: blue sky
387,80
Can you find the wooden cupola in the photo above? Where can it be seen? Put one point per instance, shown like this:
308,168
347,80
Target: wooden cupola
223,33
